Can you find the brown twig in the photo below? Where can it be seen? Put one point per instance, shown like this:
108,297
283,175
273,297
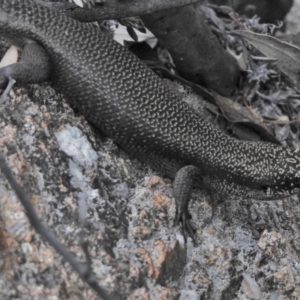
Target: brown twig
116,9
83,270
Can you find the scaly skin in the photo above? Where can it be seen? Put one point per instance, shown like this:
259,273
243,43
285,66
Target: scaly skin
127,101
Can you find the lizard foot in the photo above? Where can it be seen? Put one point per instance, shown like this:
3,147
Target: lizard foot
184,217
183,185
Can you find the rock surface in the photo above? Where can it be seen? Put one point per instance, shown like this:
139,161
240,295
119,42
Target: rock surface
88,190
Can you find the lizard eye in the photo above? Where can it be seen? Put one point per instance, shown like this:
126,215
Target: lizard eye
267,190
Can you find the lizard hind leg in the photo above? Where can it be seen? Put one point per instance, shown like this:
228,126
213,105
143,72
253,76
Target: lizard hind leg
33,67
184,182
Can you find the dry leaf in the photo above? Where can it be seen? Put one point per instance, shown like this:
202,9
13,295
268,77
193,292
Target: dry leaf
10,57
236,113
121,34
78,2
286,55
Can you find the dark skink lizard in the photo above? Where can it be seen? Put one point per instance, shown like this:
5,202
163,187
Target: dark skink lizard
116,92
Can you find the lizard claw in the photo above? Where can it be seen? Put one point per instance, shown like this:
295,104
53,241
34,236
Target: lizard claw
184,217
4,97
